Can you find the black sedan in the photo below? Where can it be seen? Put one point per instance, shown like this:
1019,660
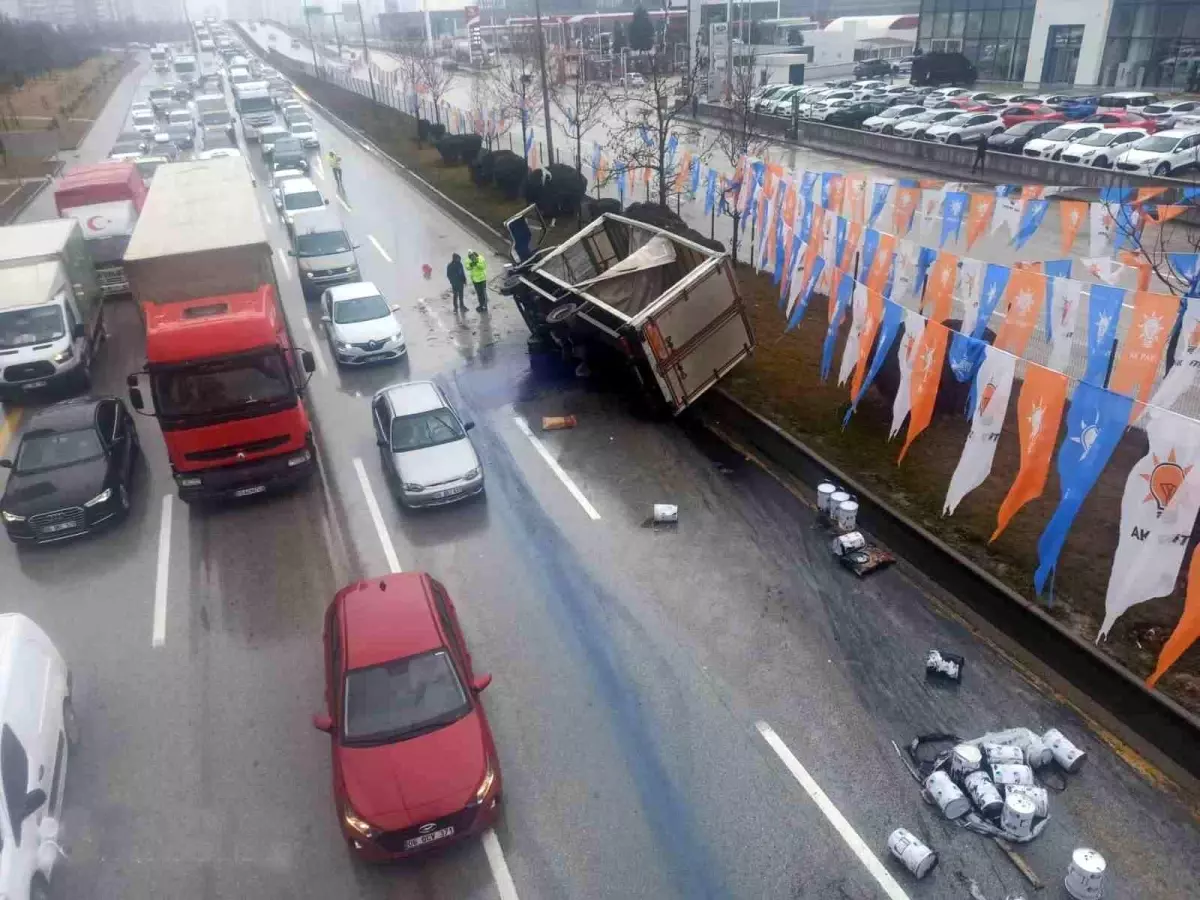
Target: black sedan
72,472
1014,139
855,114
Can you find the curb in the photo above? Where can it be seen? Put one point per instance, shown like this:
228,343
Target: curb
28,201
1144,717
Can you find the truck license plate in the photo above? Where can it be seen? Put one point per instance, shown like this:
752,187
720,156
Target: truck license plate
423,839
33,385
250,491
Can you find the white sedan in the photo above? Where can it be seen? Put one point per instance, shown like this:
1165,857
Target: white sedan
968,128
1051,144
821,111
886,121
1102,148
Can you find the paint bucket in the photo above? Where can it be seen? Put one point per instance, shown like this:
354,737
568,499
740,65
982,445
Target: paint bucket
845,517
1039,795
944,665
848,543
1003,753
1064,752
1037,754
964,760
836,499
1017,816
665,513
946,794
907,848
984,794
825,490
1012,773
556,423
1085,875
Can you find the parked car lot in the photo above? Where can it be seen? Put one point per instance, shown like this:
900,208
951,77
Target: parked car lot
1102,148
1167,153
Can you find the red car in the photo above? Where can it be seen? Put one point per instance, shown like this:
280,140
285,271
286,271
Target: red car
1119,118
1028,113
414,763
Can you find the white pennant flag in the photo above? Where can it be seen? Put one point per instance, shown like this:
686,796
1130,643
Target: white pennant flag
858,319
931,210
904,288
1179,380
1189,330
1103,269
1065,302
1100,230
969,290
765,234
1008,212
1158,511
914,328
993,386
796,282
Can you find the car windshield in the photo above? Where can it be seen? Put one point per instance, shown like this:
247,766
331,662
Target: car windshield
217,140
1060,134
302,128
402,699
331,242
1157,108
255,104
303,200
42,451
1023,128
160,94
1099,139
1157,144
427,429
143,118
963,119
286,145
179,117
221,386
127,147
36,325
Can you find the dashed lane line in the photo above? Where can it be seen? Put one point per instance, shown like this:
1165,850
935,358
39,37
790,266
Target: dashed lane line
379,247
389,549
556,468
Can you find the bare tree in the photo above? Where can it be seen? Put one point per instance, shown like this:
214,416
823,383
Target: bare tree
432,77
514,88
1153,228
582,104
408,74
739,134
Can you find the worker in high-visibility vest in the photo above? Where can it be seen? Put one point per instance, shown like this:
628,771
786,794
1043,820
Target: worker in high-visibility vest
477,272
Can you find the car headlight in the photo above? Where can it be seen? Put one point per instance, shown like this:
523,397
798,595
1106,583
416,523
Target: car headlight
474,473
103,497
413,486
397,338
339,345
357,823
11,517
308,274
299,459
66,354
189,482
485,786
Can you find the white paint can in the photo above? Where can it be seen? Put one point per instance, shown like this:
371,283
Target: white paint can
845,517
825,490
1017,817
1085,875
1003,753
1012,773
907,848
1065,753
964,759
947,795
984,794
1039,795
1037,754
665,513
847,543
836,499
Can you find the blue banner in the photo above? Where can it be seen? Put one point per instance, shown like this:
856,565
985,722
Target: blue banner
845,293
995,280
619,171
1187,267
1031,221
1115,194
893,317
1191,194
954,204
777,276
1104,312
672,146
806,222
810,282
807,180
695,185
710,191
528,140
839,240
1096,421
965,355
645,133
595,157
878,202
924,260
826,181
870,247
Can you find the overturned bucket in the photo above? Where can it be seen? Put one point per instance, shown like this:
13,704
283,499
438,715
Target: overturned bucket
965,759
947,795
666,513
1039,796
1065,753
984,794
1085,875
907,848
1017,816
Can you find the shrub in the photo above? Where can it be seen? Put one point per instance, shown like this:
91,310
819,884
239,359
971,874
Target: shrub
596,208
437,131
508,173
557,190
668,220
482,168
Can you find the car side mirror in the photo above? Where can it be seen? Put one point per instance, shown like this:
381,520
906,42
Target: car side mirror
34,801
479,685
327,320
395,307
381,442
135,399
326,201
322,722
291,253
6,463
468,425
307,362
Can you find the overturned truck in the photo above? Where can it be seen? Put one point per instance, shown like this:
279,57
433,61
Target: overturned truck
659,313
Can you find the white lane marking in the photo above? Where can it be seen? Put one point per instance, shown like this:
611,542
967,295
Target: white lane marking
499,866
346,206
316,351
379,247
320,168
287,270
159,631
556,468
389,549
844,829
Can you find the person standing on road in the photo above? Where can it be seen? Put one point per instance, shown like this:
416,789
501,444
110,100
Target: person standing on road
335,164
980,155
457,276
477,269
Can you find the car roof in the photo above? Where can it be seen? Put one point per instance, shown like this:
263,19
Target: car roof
1177,132
411,397
65,415
353,290
318,221
297,185
388,618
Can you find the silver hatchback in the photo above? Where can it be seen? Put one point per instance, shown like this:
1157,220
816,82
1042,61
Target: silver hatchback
423,445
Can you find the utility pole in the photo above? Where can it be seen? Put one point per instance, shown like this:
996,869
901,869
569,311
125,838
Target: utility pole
366,57
336,36
541,47
312,43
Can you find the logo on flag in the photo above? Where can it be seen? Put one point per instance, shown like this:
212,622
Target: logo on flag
1026,293
837,312
979,216
1104,307
954,205
927,369
987,421
878,201
914,327
1142,350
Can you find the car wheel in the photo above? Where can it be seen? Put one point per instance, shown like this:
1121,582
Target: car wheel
1162,170
888,129
954,139
1100,162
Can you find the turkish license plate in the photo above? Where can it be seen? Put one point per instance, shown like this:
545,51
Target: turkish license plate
34,385
250,491
68,525
449,492
423,839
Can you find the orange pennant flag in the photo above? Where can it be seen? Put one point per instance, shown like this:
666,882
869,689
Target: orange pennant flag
854,232
815,238
837,191
1148,193
856,198
881,265
789,204
1039,414
685,164
866,339
1164,213
1139,262
931,183
939,287
927,358
1032,191
1074,213
1142,349
979,215
1024,298
903,210
535,159
1187,629
647,174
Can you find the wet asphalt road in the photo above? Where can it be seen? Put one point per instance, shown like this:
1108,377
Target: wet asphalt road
631,664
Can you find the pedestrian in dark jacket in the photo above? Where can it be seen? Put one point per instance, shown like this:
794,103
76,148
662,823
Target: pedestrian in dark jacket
980,155
457,276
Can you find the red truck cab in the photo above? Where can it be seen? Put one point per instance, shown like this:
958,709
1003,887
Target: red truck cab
107,199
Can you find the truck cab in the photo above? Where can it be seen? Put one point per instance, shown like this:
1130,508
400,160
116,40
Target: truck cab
256,109
106,200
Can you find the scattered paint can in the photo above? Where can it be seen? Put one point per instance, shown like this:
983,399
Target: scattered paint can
665,513
1085,875
984,794
1003,753
848,543
1064,752
1037,754
845,517
556,423
825,490
1017,816
944,665
947,795
1039,795
1012,773
915,856
964,759
836,499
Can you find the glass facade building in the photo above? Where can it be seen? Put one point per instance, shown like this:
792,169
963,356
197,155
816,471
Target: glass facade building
993,34
1152,43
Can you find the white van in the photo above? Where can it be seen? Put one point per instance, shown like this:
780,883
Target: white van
1134,101
36,727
